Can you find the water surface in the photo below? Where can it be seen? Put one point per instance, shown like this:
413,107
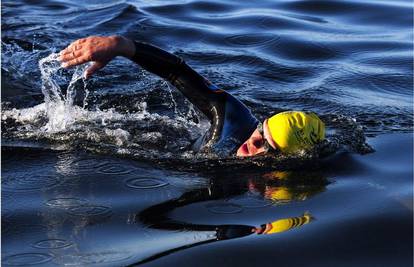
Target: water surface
109,181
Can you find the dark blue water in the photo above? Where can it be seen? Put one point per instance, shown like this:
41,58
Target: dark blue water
116,186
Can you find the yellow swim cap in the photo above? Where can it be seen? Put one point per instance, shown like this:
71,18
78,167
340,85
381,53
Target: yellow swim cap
294,130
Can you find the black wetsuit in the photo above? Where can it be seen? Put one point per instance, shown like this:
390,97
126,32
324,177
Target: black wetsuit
232,123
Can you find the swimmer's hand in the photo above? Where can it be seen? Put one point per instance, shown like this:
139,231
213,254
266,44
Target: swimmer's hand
99,50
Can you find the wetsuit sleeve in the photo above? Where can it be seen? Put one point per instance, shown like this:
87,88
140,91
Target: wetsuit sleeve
192,85
231,121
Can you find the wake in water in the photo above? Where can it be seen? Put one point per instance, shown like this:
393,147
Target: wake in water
68,118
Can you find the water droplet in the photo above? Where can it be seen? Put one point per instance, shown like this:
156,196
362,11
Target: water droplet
25,259
145,183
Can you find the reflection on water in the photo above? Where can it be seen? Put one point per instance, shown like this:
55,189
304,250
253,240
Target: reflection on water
283,225
71,223
203,234
145,205
275,188
284,186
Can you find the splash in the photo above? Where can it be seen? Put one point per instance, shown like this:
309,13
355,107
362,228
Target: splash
126,125
59,106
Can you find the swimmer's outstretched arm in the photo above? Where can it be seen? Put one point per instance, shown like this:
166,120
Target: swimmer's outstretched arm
101,50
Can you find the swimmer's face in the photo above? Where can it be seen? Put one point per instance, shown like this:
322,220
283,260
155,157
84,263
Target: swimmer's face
255,145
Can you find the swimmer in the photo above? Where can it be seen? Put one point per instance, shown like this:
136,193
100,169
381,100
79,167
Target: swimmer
234,129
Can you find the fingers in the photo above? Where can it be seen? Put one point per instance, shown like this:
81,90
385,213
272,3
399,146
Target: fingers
67,56
93,48
95,67
70,49
76,61
73,51
81,41
77,45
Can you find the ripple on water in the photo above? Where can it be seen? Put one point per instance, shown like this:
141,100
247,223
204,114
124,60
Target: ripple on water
85,165
145,183
88,165
66,202
224,208
251,202
52,244
93,258
252,39
28,182
90,210
114,168
25,259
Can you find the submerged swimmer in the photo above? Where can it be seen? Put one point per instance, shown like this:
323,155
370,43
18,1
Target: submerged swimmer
234,129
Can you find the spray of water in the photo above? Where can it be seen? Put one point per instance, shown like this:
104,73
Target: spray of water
59,105
140,134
